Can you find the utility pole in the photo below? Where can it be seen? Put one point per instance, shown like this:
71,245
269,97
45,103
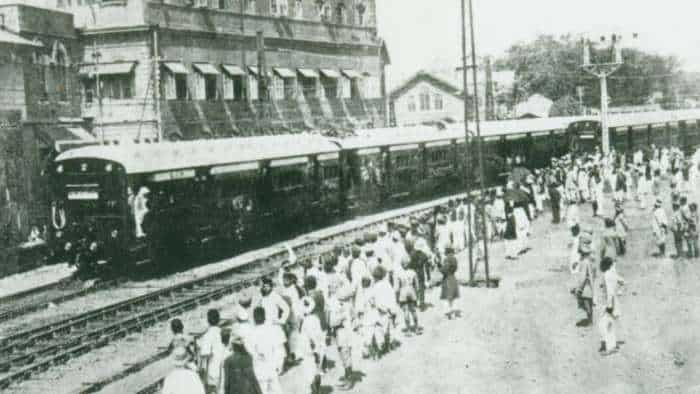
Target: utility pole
579,92
467,146
96,57
489,95
603,71
246,84
156,83
479,146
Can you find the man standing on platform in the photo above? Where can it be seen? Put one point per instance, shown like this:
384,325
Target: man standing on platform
660,228
555,201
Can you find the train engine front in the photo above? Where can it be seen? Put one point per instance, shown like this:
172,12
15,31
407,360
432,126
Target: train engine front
89,212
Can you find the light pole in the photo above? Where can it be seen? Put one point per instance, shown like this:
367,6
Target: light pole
467,145
482,212
602,71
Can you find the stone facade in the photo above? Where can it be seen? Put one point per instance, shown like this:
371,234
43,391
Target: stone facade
39,106
203,39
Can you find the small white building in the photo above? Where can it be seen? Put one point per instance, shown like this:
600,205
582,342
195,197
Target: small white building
536,106
426,98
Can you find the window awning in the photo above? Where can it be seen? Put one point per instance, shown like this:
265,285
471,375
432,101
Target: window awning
328,73
255,71
308,73
90,70
352,74
234,71
284,72
176,67
206,68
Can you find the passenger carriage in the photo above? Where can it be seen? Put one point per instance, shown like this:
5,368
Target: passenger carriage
176,201
189,201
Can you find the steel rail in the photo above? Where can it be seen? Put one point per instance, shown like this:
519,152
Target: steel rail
33,351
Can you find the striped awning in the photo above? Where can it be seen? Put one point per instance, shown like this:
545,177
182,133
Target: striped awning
256,71
308,72
206,68
352,74
234,71
329,73
90,70
284,72
176,67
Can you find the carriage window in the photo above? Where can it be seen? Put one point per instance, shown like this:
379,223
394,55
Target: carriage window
289,178
331,171
438,155
402,160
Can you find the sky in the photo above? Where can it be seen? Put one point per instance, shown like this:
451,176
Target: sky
426,34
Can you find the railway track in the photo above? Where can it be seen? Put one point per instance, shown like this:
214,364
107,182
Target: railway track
31,352
36,299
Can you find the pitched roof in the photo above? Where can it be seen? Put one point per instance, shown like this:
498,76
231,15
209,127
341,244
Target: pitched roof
424,76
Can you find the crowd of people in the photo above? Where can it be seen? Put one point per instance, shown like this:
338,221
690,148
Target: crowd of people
350,306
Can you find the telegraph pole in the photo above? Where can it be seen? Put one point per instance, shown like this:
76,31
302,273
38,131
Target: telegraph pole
482,212
603,71
467,145
96,57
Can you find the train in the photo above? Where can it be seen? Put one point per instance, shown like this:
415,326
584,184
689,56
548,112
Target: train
165,204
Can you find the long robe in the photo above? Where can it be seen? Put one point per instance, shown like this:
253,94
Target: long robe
239,375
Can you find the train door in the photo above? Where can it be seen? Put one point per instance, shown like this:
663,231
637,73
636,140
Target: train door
440,177
405,162
235,202
292,193
364,178
329,186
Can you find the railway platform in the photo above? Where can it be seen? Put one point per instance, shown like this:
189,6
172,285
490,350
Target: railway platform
523,338
16,284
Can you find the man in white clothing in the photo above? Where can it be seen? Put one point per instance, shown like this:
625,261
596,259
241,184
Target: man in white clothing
182,380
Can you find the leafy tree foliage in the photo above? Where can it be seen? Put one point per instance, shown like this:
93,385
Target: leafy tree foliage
551,66
565,106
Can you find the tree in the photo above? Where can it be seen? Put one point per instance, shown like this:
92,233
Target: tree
552,67
565,106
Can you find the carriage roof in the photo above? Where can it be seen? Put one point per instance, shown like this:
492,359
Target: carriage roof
395,136
147,158
650,118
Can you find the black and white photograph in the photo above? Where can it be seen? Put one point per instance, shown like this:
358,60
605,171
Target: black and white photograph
349,196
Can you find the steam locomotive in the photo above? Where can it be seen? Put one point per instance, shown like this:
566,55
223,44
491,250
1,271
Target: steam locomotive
174,202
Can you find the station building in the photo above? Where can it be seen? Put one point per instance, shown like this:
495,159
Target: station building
189,69
39,115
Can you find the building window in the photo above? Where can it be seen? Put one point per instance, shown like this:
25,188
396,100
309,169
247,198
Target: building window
278,7
299,9
222,4
60,72
180,84
371,87
411,104
345,87
277,87
360,14
340,14
253,87
233,88
117,86
175,86
324,11
251,6
205,85
438,101
425,101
